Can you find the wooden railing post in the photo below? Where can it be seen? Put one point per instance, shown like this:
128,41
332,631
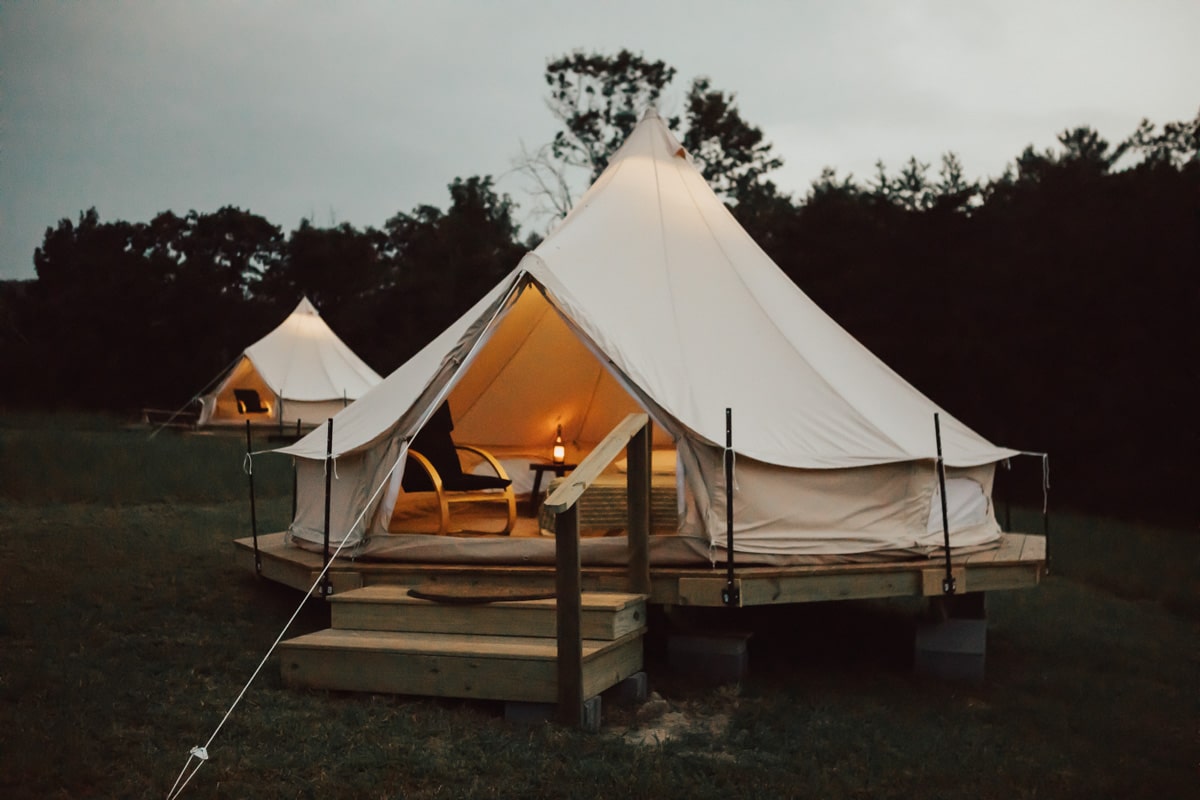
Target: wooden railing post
638,460
568,587
567,564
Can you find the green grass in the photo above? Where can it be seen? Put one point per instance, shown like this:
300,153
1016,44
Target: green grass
87,459
1135,560
126,631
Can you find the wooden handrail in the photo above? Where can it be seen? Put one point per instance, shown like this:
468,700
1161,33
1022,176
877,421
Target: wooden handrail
633,433
569,491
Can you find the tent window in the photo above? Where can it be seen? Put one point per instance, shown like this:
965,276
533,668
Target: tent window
248,402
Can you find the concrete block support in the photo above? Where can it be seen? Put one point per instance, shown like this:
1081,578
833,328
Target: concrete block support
538,713
952,643
630,692
715,657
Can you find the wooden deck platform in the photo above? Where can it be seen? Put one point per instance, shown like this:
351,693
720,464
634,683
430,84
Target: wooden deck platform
382,639
1019,563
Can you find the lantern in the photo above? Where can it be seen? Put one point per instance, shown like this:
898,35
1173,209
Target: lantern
559,452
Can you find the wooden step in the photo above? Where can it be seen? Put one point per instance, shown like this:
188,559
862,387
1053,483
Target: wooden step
517,668
606,615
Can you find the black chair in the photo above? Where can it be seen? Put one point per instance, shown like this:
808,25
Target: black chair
434,467
248,402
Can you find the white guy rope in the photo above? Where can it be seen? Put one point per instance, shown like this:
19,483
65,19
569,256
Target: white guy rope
1045,482
1045,476
200,753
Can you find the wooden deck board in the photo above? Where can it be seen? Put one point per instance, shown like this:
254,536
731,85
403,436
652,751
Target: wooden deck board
1034,549
1019,562
389,608
446,644
391,594
1010,549
449,665
984,556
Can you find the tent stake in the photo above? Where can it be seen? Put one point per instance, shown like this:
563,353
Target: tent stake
253,516
948,582
326,587
730,595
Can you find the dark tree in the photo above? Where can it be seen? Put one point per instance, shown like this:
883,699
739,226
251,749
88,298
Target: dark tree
332,267
1177,145
94,294
599,99
130,314
732,155
439,264
953,192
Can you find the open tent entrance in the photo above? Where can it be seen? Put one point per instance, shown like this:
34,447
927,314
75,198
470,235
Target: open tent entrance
534,374
242,395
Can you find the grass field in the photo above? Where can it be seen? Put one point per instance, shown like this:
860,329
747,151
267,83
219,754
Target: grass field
126,633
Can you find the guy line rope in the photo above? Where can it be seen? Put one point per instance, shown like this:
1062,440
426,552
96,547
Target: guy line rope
199,754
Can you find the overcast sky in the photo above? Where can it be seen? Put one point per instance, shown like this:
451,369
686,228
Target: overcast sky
352,111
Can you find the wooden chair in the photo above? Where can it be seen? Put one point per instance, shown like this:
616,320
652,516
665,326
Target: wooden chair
435,469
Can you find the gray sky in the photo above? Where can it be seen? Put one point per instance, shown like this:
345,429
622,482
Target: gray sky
350,112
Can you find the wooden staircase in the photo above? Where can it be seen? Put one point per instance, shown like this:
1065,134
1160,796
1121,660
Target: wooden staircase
383,640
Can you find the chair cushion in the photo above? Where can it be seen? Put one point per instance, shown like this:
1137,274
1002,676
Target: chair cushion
473,483
434,442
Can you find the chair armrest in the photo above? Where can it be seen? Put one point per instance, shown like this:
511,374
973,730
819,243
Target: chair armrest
434,478
486,456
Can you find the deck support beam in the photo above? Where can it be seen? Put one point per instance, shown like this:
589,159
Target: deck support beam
1019,563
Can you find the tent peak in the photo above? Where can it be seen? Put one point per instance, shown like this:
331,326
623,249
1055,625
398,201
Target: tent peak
306,307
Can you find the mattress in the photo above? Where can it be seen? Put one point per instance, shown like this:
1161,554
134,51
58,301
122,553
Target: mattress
604,504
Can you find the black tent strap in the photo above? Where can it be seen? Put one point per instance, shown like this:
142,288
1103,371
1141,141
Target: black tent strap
253,515
948,582
326,585
730,594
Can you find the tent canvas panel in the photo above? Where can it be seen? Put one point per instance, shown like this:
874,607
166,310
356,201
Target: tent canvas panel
841,511
306,361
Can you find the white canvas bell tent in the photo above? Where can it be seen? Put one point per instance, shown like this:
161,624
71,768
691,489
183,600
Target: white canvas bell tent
301,371
649,295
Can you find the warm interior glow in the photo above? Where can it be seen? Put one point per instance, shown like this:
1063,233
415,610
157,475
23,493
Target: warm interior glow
560,452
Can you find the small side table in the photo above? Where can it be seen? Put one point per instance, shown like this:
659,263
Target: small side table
538,471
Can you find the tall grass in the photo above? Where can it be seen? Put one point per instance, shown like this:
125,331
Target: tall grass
91,459
126,631
1134,560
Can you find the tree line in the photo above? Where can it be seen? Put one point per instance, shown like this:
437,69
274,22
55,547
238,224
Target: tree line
1052,308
